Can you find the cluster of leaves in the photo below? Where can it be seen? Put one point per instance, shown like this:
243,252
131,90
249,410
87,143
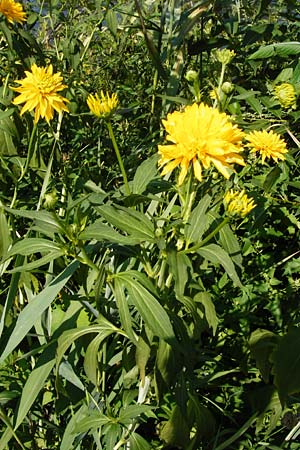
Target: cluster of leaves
114,333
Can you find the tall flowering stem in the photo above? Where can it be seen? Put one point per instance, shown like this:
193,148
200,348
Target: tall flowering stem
103,106
118,154
24,169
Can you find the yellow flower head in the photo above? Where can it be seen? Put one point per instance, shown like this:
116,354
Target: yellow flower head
224,56
238,203
12,11
268,144
39,91
200,136
103,106
286,95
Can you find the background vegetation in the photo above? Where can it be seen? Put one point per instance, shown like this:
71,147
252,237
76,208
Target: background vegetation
111,336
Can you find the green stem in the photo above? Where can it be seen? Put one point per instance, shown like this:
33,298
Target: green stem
195,247
84,258
30,151
25,168
219,86
46,178
119,158
188,198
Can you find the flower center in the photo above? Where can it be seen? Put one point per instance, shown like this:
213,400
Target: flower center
45,86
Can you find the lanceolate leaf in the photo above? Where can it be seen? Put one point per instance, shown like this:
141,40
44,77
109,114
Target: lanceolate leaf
104,329
286,359
125,316
102,232
28,246
36,307
280,49
144,174
198,221
36,382
136,224
154,315
216,254
37,263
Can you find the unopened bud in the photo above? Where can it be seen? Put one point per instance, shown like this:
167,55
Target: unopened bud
191,76
227,87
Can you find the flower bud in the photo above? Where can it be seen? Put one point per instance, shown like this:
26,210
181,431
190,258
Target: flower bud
191,76
224,56
50,200
227,87
286,95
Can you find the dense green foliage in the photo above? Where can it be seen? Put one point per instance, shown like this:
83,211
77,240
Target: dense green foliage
149,319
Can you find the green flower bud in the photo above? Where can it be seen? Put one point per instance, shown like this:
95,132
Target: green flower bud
50,200
224,56
191,76
227,87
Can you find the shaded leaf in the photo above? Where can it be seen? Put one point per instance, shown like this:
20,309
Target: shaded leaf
216,254
210,312
286,368
262,344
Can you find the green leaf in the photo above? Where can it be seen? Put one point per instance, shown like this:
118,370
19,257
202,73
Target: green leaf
92,421
142,356
35,308
47,221
28,246
132,222
130,412
154,315
104,329
217,255
69,434
178,264
280,49
37,263
272,178
175,431
198,221
262,344
137,442
90,364
102,232
66,371
249,97
286,368
35,382
13,289
230,244
238,434
210,312
122,304
144,174
5,238
8,131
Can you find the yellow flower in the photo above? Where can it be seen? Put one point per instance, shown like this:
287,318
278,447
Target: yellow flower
268,144
238,203
12,10
39,91
201,136
286,95
104,106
